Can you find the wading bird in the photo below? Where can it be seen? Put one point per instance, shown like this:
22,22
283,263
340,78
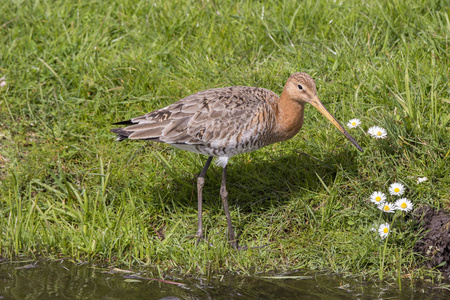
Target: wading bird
223,122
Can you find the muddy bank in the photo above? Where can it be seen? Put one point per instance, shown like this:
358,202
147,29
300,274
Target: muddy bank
435,243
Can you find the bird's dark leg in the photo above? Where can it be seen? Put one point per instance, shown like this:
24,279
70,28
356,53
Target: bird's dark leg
224,195
200,184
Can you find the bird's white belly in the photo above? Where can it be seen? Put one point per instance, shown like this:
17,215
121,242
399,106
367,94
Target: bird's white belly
219,151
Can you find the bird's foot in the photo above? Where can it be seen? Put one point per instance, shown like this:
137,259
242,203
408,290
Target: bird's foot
234,244
200,239
199,235
241,248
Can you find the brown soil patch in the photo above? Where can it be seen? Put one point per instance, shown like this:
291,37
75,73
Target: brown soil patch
435,243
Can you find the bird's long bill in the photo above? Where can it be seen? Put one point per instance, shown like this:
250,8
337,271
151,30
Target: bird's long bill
317,104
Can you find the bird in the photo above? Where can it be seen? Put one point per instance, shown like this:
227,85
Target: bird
224,122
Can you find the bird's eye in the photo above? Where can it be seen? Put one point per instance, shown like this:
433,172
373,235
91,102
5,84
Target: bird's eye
300,87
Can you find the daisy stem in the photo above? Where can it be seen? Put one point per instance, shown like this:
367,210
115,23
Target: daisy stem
362,130
382,258
383,253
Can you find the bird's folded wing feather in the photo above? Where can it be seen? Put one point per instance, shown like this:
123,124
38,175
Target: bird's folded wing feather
213,117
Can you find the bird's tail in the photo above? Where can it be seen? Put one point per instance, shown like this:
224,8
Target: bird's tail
121,133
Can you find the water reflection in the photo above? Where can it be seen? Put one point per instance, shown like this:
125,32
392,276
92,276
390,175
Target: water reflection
65,280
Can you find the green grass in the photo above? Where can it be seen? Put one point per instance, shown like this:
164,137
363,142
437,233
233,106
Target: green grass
68,189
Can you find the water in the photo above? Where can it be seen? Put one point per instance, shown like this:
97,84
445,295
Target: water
66,280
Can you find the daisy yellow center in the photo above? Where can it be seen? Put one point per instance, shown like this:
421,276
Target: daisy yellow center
386,208
378,198
385,230
378,133
403,205
354,123
396,190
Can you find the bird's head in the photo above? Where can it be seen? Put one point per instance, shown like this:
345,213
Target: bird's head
301,88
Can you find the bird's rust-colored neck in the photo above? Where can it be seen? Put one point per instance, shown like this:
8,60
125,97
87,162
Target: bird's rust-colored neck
289,116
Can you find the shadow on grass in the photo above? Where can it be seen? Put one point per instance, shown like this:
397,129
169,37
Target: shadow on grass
256,184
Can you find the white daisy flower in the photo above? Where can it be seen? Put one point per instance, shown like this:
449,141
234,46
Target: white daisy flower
387,207
377,132
353,123
383,230
378,197
396,189
421,179
404,204
3,81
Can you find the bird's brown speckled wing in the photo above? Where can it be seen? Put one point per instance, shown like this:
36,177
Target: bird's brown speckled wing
223,121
